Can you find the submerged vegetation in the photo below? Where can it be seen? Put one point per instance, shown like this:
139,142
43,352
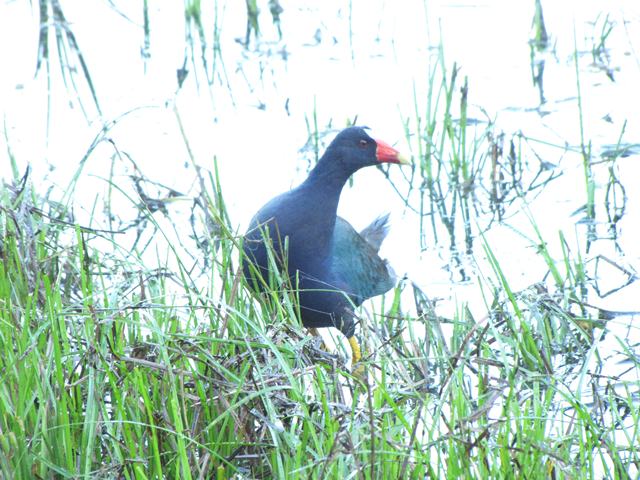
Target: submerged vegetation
112,368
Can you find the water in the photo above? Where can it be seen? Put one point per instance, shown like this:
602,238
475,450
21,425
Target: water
335,63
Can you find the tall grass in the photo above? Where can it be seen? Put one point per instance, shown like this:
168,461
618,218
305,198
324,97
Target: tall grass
585,147
109,373
468,172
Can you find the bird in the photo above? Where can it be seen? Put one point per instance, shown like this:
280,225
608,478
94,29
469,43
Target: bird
331,266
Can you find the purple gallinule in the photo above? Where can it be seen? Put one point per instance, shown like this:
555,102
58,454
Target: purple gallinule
332,267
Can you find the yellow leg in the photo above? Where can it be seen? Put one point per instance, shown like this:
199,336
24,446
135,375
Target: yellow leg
356,355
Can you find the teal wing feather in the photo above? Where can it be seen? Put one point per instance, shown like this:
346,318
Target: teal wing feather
355,259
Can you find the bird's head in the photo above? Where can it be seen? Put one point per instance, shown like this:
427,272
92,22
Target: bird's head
356,149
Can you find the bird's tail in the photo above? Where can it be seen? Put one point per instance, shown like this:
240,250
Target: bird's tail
376,232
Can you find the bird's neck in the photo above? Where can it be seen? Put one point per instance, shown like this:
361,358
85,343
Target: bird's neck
328,176
322,190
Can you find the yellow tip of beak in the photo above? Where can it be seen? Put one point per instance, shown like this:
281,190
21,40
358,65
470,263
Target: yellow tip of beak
404,160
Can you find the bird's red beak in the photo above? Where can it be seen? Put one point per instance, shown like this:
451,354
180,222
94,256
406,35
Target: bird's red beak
385,153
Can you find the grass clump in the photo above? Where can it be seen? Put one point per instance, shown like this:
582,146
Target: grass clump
112,371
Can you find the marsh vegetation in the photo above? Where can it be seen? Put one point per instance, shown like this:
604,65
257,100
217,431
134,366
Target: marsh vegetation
130,346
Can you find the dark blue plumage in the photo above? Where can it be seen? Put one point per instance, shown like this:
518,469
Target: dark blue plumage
331,264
